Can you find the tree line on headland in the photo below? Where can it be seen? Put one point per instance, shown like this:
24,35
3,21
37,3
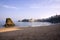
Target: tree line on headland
52,19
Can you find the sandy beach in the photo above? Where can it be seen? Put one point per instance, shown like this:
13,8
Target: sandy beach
9,29
51,32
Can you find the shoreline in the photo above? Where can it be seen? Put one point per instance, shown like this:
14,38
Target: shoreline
51,32
7,29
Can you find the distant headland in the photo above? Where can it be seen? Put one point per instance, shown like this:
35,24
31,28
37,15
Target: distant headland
52,19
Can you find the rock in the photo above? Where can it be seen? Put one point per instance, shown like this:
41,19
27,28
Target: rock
9,23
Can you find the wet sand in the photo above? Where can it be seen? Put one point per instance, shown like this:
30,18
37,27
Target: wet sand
9,29
51,32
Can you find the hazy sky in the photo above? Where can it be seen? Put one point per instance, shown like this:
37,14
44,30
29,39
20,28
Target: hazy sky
20,9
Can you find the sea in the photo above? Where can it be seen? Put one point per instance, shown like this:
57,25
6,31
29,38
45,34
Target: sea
26,24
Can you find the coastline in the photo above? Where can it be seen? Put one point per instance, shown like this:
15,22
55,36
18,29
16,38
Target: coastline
51,32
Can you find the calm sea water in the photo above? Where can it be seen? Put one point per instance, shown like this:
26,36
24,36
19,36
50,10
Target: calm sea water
27,24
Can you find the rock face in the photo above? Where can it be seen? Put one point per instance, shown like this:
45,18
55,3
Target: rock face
9,22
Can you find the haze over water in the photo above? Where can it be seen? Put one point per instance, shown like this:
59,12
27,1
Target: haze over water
27,24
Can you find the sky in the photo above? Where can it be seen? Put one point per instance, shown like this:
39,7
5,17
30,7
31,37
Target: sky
26,9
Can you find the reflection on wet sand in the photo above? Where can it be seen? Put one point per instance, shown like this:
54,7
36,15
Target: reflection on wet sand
9,29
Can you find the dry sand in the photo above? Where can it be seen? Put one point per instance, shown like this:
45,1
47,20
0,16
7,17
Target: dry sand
51,32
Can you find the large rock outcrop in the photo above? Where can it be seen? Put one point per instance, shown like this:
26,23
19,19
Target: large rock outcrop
9,23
